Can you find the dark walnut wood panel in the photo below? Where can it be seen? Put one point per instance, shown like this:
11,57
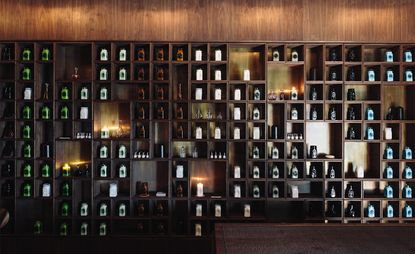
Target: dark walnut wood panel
202,20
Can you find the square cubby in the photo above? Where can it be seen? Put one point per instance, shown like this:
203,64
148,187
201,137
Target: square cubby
141,52
257,169
276,170
314,169
180,52
353,73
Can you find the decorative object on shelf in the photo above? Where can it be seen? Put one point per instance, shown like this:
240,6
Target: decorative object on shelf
66,170
179,112
103,210
27,190
351,74
182,152
122,55
255,172
332,114
247,75
45,113
237,94
332,94
103,55
26,73
6,54
256,115
195,153
313,114
294,113
141,74
199,133
370,211
218,75
122,74
198,94
237,113
388,133
103,74
45,170
294,191
75,75
180,55
407,153
65,189
27,94
236,133
63,229
217,133
351,211
218,210
352,55
83,114
407,172
37,227
218,55
275,55
160,113
199,210
407,191
389,56
333,55
103,93
256,193
275,191
65,209
27,150
407,56
199,190
332,172
294,172
122,210
247,210
332,192
46,190
27,54
218,94
122,171
370,133
257,94
351,114
333,74
294,94
275,172
27,170
237,191
370,114
313,94
199,74
275,153
350,192
45,54
388,191
388,154
407,211
351,94
84,229
389,211
371,76
84,209
179,171
256,133
199,54
294,55
313,171
294,153
113,190
84,95
409,77
255,152
313,152
102,229
160,73
388,172
389,75
236,172
360,172
103,170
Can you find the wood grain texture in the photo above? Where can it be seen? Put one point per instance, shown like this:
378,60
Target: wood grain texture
209,20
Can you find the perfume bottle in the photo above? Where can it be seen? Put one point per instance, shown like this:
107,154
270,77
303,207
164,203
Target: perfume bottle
84,94
388,153
294,113
294,55
160,113
333,74
407,172
122,54
351,74
65,190
332,172
102,229
103,152
370,133
255,152
160,54
256,115
141,55
388,172
351,211
294,152
370,211
45,54
180,132
141,132
26,73
27,150
256,193
388,191
26,54
332,192
257,94
389,75
389,211
351,133
370,114
275,153
332,114
275,172
407,191
84,229
351,94
141,93
122,74
294,172
37,227
313,152
160,73
407,56
350,193
351,114
275,55
333,54
332,94
407,153
371,76
27,190
45,112
255,172
275,191
313,94
179,112
6,54
313,171
27,170
45,171
141,73
103,54
407,213
64,112
313,114
409,77
180,55
389,56
352,55
103,74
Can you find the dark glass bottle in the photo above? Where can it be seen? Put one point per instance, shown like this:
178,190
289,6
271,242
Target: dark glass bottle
333,74
7,169
160,112
160,93
351,133
179,112
332,94
141,73
351,94
333,55
141,113
8,92
351,115
180,132
352,55
141,93
6,54
141,54
351,75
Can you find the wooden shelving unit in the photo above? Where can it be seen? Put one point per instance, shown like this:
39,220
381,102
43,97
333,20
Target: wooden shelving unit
168,136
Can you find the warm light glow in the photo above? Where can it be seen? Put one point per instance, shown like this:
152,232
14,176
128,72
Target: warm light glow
77,163
66,167
199,179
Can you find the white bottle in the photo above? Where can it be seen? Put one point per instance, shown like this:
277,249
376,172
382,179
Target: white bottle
122,171
199,132
103,55
217,133
237,94
103,74
123,55
237,113
218,210
236,133
179,171
247,75
256,133
218,55
237,172
199,210
247,211
218,75
256,115
255,172
199,74
218,94
198,55
83,114
237,191
46,190
113,191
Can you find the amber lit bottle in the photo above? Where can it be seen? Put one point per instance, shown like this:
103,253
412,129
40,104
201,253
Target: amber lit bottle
180,55
160,93
160,112
160,54
141,54
180,132
141,113
160,73
141,93
179,112
141,73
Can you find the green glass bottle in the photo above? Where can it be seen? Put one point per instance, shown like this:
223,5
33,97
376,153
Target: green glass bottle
27,151
65,93
45,54
26,54
26,131
45,112
45,170
27,190
64,112
65,209
26,73
27,170
27,112
63,229
37,227
66,190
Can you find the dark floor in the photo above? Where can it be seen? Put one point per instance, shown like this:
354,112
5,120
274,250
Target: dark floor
307,239
113,245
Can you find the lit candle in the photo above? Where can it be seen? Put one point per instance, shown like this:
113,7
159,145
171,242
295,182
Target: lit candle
199,190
